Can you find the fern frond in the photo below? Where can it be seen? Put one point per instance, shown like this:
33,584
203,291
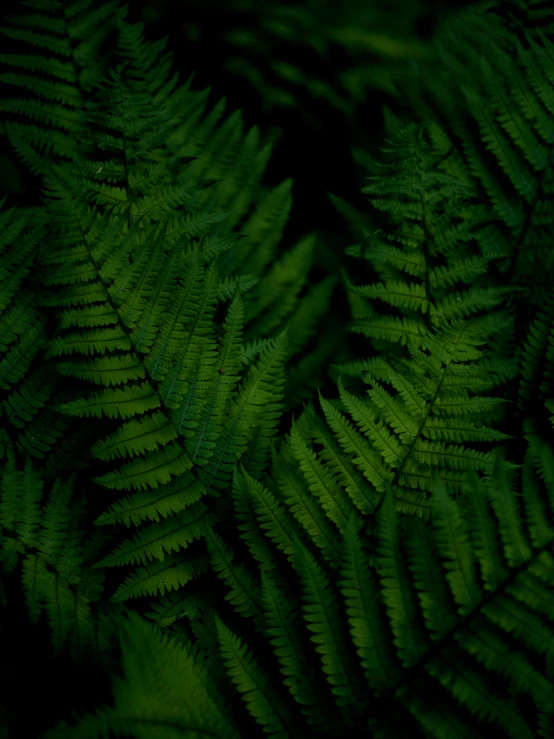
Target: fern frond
148,698
449,619
72,41
304,508
501,129
280,616
536,362
424,584
159,577
140,325
431,253
56,554
30,387
244,671
244,593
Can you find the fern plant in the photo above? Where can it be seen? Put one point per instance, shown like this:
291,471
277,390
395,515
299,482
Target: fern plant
500,126
317,502
172,331
60,77
321,495
30,387
212,148
57,554
397,439
76,302
436,277
445,628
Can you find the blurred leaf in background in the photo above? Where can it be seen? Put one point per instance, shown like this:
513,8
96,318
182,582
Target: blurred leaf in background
321,71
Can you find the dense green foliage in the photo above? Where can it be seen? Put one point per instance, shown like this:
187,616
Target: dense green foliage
182,506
